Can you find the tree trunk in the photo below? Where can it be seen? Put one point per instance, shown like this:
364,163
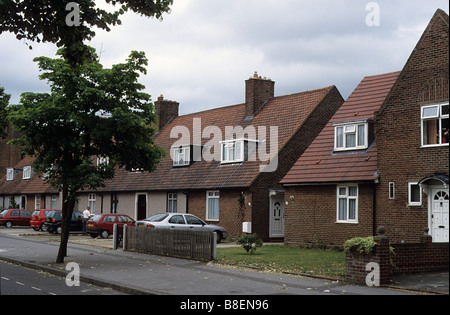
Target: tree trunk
66,218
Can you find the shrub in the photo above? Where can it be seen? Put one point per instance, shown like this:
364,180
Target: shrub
250,242
363,245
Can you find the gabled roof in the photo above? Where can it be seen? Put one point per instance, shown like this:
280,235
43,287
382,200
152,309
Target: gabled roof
288,113
20,186
319,164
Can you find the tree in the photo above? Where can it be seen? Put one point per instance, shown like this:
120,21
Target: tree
90,113
54,21
4,100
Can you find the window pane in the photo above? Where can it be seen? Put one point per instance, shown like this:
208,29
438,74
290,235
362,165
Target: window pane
444,110
342,191
350,140
353,191
352,209
213,209
342,209
445,130
431,132
430,111
339,137
415,193
350,128
361,135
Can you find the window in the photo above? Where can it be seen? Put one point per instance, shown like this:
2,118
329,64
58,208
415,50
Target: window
53,201
232,151
212,205
91,202
102,160
182,156
414,194
351,137
177,219
37,202
391,190
114,203
435,125
26,172
172,203
347,204
9,174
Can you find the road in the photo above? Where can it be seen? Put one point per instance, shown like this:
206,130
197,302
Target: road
17,280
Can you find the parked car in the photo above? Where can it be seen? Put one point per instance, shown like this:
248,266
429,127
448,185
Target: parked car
38,219
103,224
182,221
15,217
53,222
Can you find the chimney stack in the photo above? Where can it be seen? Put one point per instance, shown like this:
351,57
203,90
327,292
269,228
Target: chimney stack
166,111
257,91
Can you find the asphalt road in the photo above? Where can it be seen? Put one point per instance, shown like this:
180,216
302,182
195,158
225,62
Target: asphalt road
17,280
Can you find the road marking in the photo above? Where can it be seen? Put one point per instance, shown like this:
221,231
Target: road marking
19,283
4,278
36,288
2,250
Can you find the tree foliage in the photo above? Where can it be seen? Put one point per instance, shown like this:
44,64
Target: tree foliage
91,112
45,20
4,100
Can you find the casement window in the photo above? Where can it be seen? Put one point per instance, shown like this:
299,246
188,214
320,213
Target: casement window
435,124
232,151
102,160
172,199
212,205
9,174
351,136
414,194
91,202
26,172
114,203
182,156
391,190
37,202
53,201
347,204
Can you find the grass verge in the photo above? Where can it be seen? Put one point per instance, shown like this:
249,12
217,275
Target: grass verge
284,259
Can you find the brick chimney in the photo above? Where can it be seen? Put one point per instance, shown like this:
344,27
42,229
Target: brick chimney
257,91
166,111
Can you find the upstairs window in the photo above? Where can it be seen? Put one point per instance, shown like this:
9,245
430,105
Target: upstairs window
351,137
9,174
26,172
182,156
435,125
232,151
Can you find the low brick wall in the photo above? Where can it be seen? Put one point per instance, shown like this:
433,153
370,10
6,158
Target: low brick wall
408,258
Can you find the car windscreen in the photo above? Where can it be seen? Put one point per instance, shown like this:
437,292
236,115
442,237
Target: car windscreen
54,214
95,218
4,212
157,217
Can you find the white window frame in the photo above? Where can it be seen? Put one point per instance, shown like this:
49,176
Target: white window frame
102,160
439,116
232,151
172,202
347,197
37,202
91,202
26,172
212,195
414,203
179,153
348,129
54,199
9,174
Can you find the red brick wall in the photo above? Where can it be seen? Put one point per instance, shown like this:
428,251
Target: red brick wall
10,155
398,134
310,218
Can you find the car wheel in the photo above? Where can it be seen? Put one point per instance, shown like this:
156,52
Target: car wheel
58,230
104,234
36,228
44,228
9,224
93,235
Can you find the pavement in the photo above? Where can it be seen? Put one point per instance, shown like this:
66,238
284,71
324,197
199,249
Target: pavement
136,273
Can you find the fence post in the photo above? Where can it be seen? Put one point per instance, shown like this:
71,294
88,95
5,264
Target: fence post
214,246
115,243
124,238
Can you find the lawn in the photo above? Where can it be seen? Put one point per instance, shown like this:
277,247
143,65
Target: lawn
278,258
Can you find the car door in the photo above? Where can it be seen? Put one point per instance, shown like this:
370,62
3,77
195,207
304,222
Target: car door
177,222
15,217
25,218
194,223
108,222
76,224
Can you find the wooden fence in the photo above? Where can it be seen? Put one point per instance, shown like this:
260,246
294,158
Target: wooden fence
198,245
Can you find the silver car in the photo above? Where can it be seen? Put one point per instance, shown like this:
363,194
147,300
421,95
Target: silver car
181,221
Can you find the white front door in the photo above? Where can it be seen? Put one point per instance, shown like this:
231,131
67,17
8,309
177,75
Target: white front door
277,216
439,215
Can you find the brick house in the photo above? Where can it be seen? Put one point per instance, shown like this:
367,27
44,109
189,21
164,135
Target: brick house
224,165
10,155
382,159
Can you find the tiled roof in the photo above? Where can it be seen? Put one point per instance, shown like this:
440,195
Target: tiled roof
287,112
319,164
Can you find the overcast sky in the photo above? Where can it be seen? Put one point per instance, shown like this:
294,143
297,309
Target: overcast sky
203,51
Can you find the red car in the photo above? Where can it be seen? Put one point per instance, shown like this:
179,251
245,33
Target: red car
38,218
10,217
103,224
